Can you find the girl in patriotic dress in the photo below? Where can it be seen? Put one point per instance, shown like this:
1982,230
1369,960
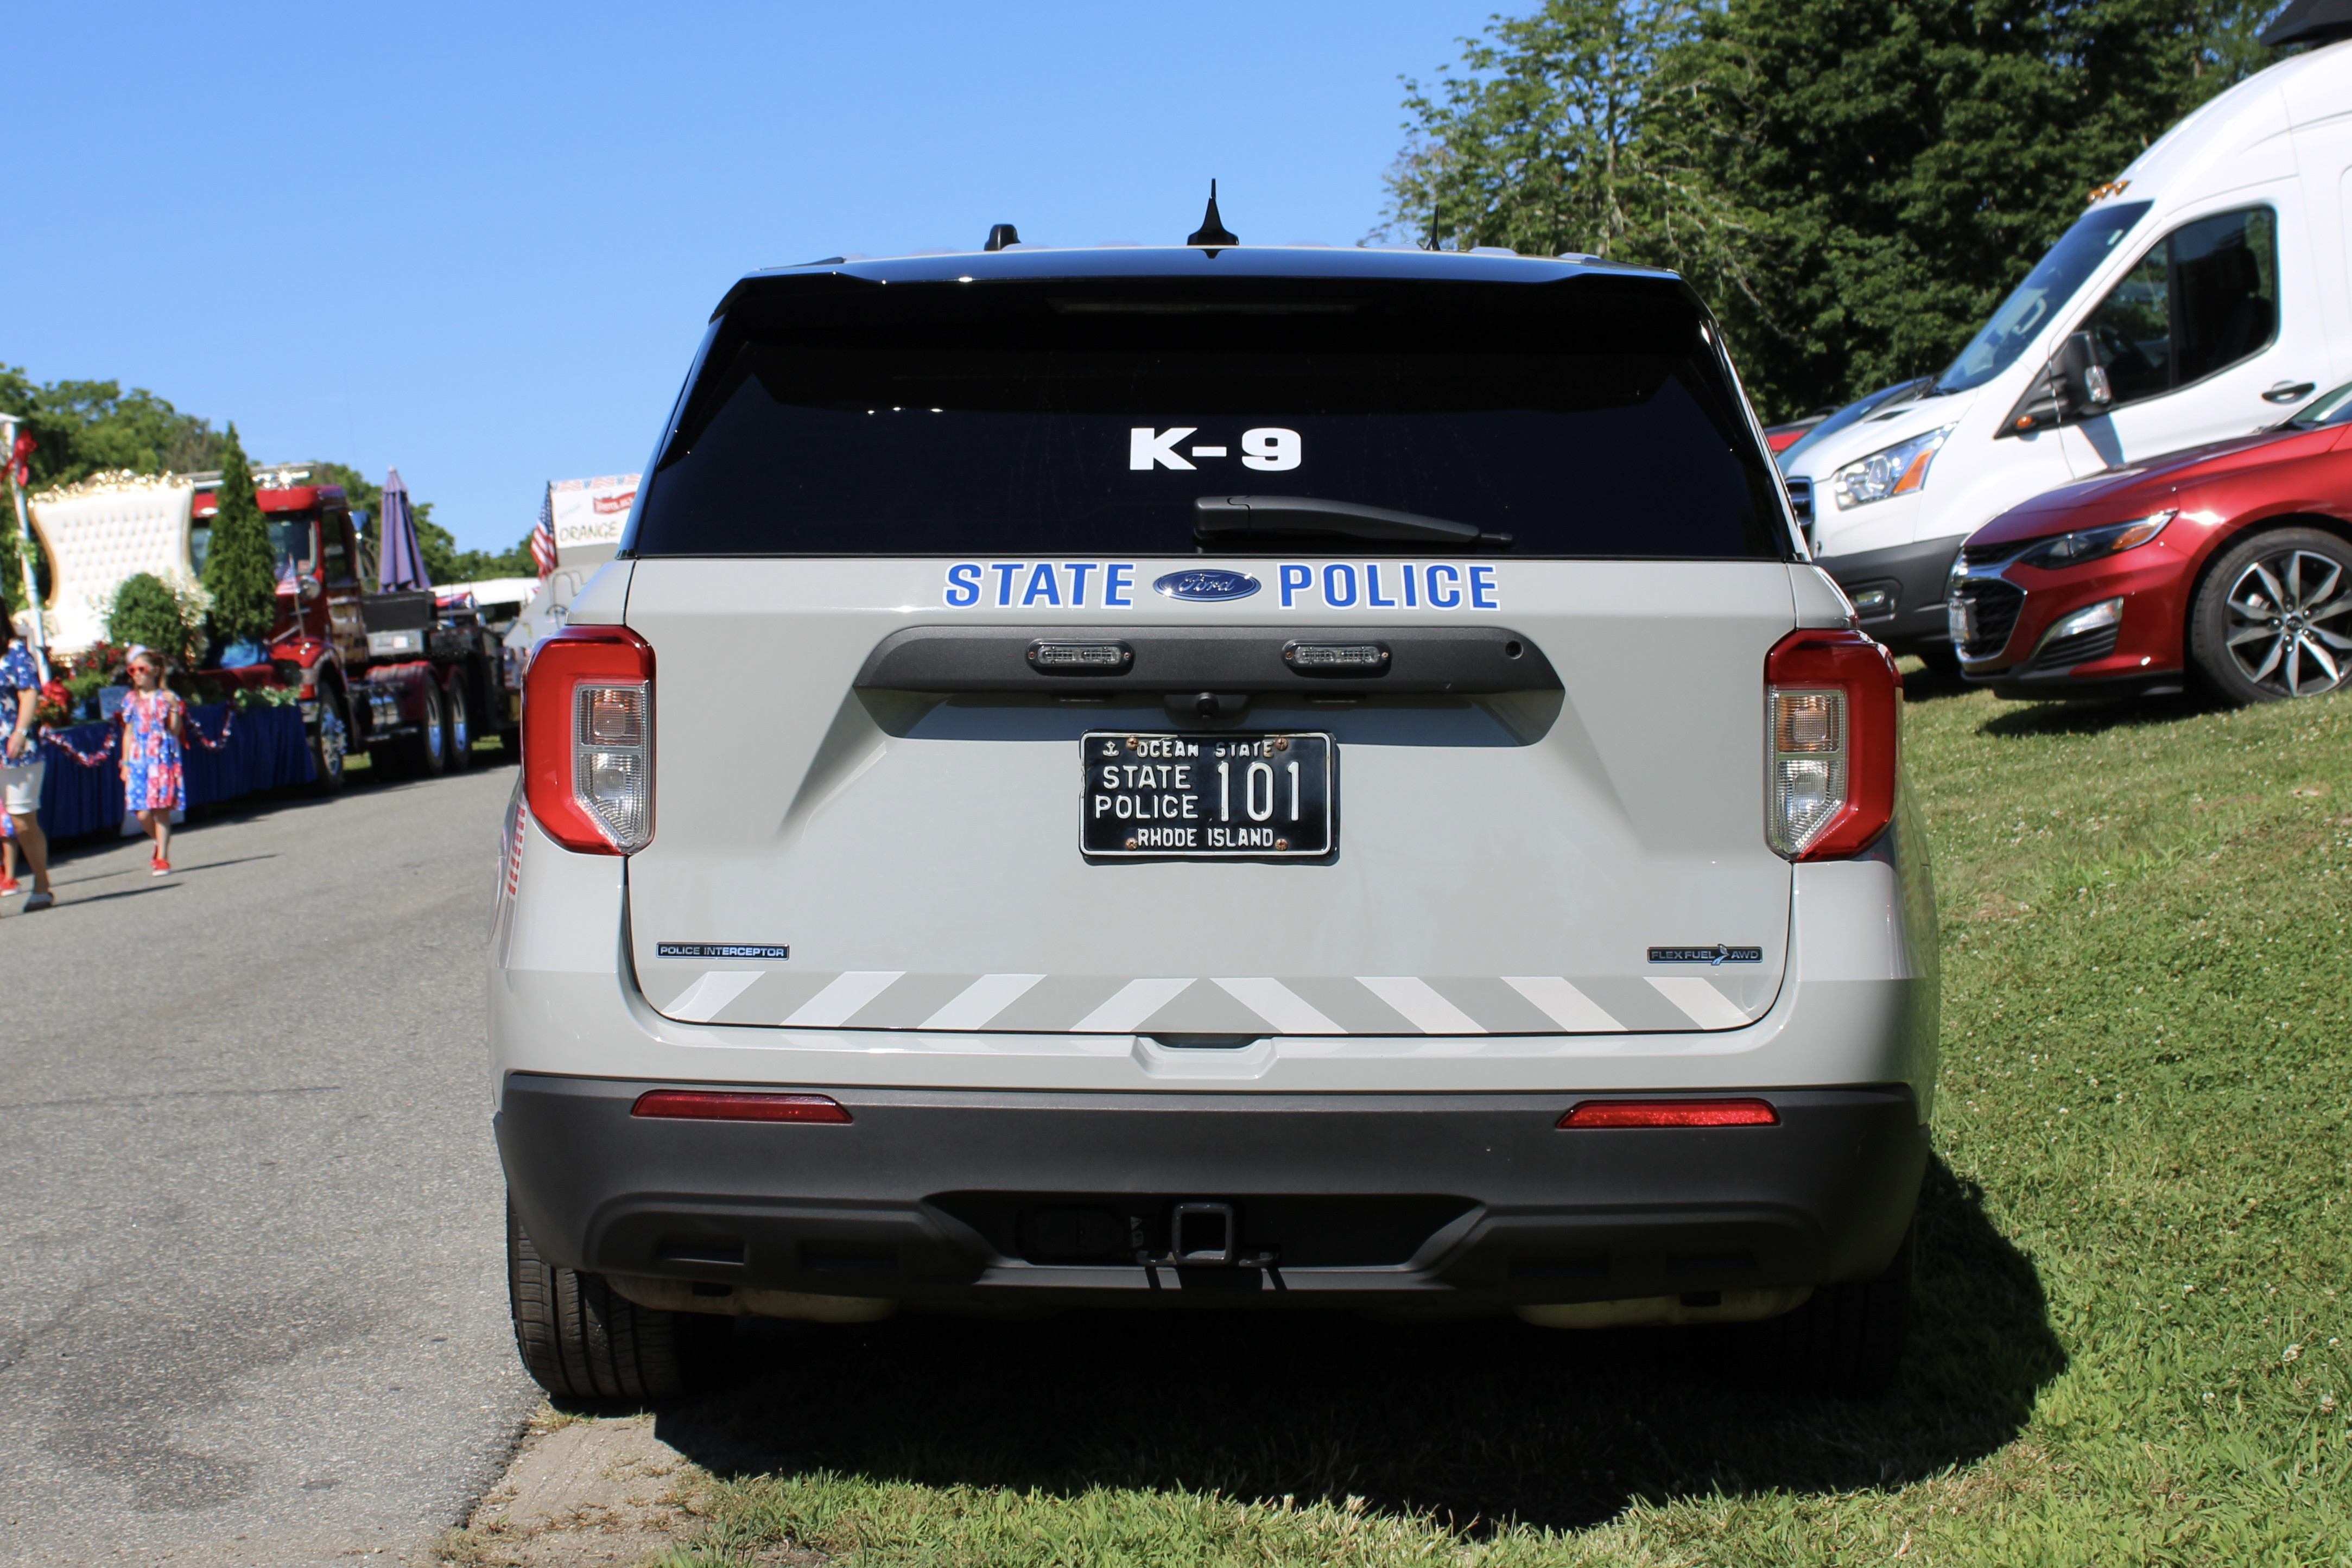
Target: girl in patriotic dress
153,721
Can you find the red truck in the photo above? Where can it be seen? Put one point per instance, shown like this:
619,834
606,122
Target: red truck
399,676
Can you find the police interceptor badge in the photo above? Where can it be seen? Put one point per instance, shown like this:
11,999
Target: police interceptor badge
1216,795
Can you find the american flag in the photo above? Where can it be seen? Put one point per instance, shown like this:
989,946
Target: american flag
542,537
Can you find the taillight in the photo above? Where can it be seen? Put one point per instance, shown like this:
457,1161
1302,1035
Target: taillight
1672,1113
715,1105
588,739
1831,714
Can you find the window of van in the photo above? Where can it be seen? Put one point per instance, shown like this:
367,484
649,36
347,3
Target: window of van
2203,297
2046,290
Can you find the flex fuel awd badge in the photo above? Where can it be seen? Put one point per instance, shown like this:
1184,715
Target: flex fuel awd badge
1719,954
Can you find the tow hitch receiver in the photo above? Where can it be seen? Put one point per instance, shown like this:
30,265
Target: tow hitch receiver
1201,1235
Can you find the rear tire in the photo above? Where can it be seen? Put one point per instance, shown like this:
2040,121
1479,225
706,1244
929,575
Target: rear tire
2273,617
460,729
1847,1338
579,1340
428,748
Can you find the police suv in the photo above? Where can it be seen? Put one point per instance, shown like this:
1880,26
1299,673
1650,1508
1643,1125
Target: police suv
1232,776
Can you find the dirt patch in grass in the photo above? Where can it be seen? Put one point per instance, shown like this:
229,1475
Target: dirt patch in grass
584,1492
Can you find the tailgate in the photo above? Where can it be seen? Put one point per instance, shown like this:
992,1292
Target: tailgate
1575,850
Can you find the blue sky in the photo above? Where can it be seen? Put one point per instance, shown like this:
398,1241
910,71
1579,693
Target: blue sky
480,242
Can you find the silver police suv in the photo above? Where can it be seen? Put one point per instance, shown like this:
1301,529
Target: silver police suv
1247,777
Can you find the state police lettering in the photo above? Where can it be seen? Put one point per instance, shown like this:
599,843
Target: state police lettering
1335,585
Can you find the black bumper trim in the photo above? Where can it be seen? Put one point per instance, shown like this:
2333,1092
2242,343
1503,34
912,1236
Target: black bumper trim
1918,572
941,1197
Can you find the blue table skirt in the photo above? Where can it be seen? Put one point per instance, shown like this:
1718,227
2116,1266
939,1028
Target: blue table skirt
267,749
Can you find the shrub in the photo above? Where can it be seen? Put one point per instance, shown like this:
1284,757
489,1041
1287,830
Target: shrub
147,612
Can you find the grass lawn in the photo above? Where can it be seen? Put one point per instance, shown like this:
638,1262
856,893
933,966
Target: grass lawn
2135,1249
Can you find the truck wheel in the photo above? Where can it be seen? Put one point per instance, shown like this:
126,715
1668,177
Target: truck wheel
2273,619
459,731
428,748
330,745
578,1339
1847,1339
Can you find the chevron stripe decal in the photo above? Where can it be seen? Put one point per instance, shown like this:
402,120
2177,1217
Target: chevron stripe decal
1237,1005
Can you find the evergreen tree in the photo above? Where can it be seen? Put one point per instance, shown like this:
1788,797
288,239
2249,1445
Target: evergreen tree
240,569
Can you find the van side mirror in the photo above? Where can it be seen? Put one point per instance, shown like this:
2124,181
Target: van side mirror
2073,385
2086,379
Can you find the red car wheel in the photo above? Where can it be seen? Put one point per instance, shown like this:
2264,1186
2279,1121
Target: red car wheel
2273,619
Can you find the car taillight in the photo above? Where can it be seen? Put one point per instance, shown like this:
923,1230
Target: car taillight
1830,715
1672,1113
588,739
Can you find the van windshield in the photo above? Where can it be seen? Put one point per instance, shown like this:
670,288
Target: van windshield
2045,290
1590,416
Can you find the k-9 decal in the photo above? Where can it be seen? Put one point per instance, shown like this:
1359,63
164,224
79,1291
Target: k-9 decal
1268,448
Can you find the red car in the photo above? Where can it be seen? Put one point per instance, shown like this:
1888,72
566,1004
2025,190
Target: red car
2230,565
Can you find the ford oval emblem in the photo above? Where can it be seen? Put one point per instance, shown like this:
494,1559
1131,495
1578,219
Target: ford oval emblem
1207,584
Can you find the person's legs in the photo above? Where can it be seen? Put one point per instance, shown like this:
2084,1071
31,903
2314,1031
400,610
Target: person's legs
159,828
20,797
37,847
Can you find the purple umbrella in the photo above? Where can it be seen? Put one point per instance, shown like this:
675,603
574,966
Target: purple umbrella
401,564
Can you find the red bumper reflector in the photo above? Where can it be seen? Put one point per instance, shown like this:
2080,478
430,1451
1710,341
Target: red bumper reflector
1672,1113
705,1105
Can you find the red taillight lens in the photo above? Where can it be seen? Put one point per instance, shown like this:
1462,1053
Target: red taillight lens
1831,713
712,1105
588,739
1672,1113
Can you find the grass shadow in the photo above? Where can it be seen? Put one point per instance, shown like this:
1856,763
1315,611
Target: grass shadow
2099,717
1479,1422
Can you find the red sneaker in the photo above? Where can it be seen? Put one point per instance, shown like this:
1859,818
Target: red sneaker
9,884
163,866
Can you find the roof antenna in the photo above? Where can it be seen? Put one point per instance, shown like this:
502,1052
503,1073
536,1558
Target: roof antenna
1000,236
1432,230
1213,232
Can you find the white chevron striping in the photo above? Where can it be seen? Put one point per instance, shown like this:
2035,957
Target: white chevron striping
1564,1004
1704,1005
835,1003
1129,1005
1278,1004
981,1001
1423,1008
700,1002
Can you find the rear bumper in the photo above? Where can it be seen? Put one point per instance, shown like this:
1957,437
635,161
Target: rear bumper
1470,1201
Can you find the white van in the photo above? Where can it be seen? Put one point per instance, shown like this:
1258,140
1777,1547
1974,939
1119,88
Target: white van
2206,293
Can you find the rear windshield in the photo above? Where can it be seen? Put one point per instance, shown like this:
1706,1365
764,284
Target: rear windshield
1590,417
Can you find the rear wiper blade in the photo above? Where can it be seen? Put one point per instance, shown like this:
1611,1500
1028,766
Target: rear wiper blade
1224,516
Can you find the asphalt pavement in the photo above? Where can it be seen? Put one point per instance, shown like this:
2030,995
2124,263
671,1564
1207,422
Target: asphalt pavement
253,1308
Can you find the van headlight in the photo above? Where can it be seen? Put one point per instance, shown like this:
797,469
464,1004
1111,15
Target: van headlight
1897,470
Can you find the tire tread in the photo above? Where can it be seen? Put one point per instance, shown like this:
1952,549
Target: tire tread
580,1339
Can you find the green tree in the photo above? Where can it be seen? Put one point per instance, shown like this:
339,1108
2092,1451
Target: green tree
447,564
146,612
1852,184
240,568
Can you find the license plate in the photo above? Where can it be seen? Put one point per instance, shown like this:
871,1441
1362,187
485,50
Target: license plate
1207,796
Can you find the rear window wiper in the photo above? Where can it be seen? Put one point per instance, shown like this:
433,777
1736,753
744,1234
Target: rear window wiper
1224,516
